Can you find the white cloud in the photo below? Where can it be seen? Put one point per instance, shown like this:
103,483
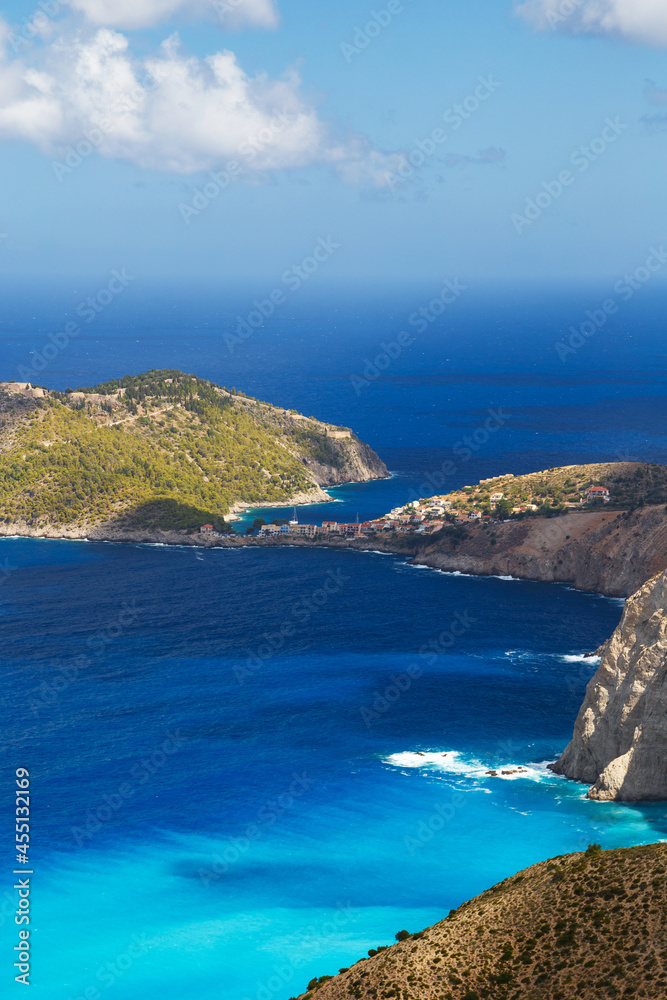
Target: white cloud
636,20
129,14
172,112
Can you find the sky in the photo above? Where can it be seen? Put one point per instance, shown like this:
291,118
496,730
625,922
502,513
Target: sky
224,140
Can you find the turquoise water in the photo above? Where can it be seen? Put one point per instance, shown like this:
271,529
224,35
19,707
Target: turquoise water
265,714
214,876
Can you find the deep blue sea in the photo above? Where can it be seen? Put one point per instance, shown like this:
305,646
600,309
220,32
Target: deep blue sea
250,767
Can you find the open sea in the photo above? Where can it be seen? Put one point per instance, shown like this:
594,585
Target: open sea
250,767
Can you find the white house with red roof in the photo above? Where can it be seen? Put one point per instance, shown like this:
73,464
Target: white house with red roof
595,493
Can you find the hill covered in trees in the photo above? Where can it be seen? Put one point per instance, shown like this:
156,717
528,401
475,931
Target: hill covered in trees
590,926
164,450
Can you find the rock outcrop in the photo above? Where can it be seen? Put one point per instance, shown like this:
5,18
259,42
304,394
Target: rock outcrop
605,551
619,745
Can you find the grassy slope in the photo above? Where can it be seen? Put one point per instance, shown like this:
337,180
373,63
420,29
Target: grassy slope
162,449
630,484
580,927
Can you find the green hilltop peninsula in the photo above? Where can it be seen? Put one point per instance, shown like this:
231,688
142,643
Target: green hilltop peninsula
161,450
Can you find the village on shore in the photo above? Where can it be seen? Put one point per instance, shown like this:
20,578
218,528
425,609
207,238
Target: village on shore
424,517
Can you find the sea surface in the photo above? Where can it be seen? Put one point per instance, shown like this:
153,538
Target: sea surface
250,767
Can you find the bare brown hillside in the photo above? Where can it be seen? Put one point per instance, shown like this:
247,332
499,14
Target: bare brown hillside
589,926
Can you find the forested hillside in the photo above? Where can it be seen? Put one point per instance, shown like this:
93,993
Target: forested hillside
162,449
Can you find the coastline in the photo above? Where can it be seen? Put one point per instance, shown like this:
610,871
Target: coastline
312,497
599,551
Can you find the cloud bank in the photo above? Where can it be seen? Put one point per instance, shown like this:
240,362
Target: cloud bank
635,20
171,112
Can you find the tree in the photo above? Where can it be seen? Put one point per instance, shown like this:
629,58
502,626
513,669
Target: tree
503,509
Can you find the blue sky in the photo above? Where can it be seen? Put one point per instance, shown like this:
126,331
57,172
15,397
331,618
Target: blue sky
339,126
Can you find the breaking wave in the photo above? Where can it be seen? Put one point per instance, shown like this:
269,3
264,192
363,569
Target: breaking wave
454,763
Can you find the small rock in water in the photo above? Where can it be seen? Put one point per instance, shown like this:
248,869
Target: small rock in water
494,774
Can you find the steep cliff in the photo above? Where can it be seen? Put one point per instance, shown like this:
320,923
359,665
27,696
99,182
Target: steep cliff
619,745
605,551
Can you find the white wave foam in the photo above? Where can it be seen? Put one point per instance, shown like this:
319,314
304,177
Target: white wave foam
533,654
514,578
453,762
162,545
580,658
452,572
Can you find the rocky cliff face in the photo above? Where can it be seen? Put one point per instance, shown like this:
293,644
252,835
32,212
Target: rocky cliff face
605,551
620,736
355,462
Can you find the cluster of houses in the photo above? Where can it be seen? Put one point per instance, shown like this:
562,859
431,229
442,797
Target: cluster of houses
420,516
398,520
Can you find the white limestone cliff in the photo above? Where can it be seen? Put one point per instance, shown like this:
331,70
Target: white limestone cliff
619,745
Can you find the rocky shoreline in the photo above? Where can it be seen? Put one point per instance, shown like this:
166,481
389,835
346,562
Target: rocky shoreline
607,552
